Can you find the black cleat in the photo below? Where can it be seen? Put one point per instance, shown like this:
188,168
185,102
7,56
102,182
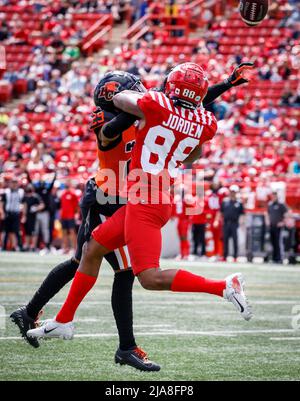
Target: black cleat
25,323
137,358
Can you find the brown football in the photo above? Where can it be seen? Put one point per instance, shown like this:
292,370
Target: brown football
253,11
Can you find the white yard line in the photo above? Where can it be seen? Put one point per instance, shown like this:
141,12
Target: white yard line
229,333
163,302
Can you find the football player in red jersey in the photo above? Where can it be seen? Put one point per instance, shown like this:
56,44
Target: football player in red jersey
171,130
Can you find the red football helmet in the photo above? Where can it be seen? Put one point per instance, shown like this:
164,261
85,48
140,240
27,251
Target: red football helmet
188,83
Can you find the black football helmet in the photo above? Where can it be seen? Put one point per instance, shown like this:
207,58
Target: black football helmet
113,83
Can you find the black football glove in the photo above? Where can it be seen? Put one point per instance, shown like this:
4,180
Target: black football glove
97,119
236,78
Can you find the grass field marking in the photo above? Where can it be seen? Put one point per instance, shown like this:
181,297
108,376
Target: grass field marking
2,318
229,333
163,302
296,317
285,338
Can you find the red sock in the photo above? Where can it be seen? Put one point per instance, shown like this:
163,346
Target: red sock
182,248
81,285
186,248
188,282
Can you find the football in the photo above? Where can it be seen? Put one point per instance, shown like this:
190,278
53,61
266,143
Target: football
253,11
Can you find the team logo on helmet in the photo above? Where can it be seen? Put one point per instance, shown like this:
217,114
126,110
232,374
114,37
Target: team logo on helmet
108,90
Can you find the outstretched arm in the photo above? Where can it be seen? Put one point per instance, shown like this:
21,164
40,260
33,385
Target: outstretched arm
235,79
109,131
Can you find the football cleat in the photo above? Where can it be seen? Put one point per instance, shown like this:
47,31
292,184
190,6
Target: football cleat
24,322
234,293
53,329
137,358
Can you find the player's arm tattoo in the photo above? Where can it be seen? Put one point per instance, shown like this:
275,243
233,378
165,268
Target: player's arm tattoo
127,101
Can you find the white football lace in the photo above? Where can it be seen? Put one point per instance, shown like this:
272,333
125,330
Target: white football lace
253,10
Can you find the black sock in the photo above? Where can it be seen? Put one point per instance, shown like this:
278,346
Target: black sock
121,302
53,283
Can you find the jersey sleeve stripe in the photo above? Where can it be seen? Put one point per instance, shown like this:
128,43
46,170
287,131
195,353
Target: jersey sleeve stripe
203,117
209,118
169,105
160,100
152,94
197,116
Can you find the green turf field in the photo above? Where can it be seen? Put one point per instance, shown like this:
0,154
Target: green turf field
193,337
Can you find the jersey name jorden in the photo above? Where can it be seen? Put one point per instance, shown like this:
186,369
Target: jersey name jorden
184,126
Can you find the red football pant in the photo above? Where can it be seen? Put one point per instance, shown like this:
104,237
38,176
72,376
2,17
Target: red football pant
139,227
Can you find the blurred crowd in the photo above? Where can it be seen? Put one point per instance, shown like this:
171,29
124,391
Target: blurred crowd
215,225
42,214
259,136
39,215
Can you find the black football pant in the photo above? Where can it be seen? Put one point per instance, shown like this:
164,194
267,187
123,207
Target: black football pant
275,233
121,299
198,232
12,226
230,230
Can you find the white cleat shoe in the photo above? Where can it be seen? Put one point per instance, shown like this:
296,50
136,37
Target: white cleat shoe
53,329
235,294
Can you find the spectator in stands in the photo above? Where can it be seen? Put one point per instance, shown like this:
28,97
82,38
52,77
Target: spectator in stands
69,206
294,167
71,52
269,112
275,217
11,204
4,30
281,165
295,99
232,210
32,205
35,163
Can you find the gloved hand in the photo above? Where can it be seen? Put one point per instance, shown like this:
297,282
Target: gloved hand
236,78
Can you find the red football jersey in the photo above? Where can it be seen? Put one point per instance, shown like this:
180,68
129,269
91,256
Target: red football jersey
214,206
170,134
69,204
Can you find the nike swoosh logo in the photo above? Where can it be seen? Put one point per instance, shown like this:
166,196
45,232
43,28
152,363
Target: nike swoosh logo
241,306
49,331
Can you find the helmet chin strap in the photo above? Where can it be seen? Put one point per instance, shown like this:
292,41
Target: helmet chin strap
184,103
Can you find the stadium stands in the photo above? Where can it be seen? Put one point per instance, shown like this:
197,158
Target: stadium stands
259,130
